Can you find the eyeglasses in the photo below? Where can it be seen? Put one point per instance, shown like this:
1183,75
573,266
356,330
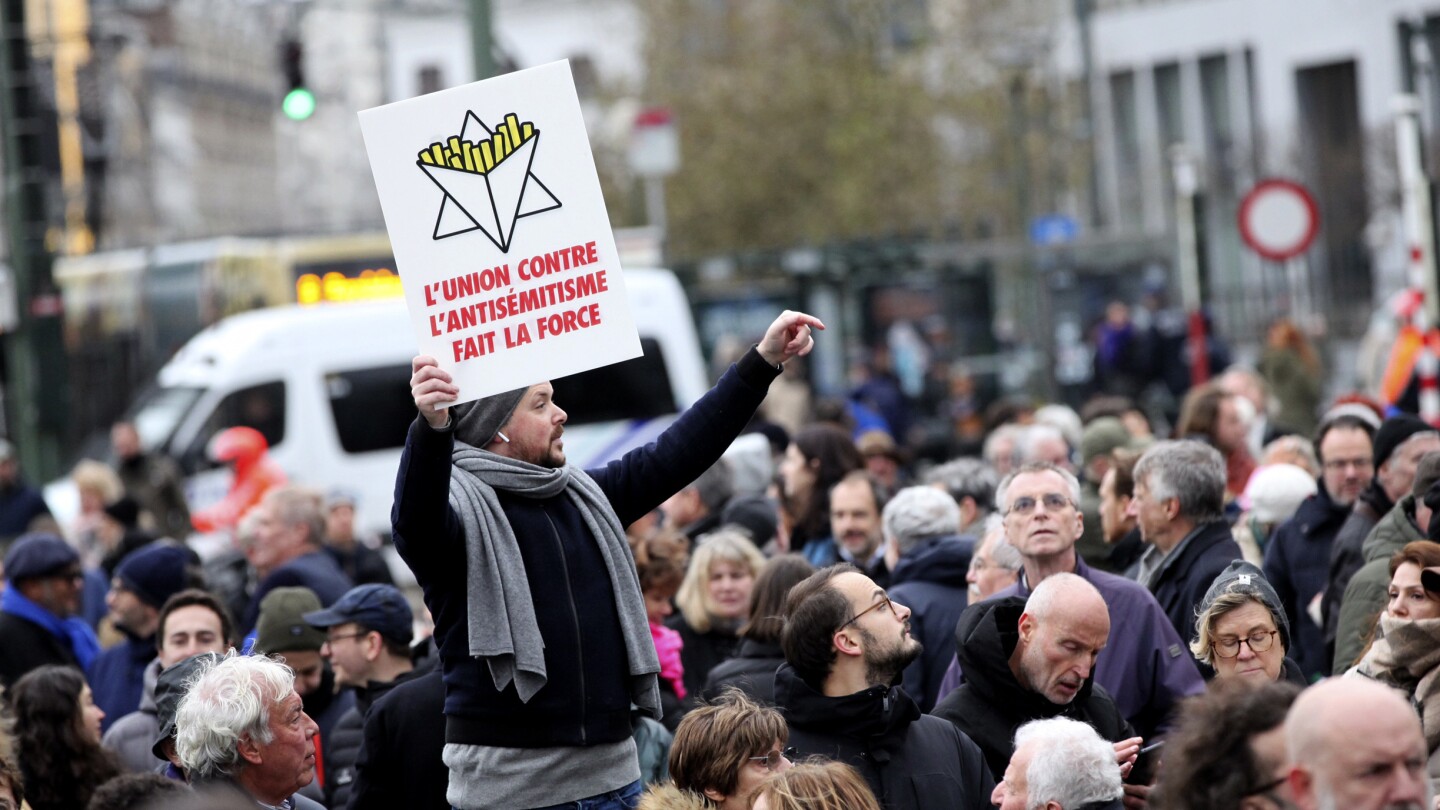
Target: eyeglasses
333,639
773,759
884,602
1258,642
1053,502
71,576
1339,464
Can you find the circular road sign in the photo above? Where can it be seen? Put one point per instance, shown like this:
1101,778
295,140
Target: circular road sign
1279,219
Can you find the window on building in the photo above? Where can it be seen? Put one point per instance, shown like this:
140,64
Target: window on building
430,79
1219,122
1127,145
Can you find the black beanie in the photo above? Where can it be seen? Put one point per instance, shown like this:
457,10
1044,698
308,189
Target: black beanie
477,422
1394,431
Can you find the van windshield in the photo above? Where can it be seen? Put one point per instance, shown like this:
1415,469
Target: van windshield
158,412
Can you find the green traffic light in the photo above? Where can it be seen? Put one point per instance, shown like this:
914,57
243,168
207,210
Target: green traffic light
299,104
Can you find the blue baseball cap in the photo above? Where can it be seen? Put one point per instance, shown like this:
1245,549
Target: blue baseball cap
381,608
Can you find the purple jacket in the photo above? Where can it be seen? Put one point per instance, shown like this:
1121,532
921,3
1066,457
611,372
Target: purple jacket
1145,667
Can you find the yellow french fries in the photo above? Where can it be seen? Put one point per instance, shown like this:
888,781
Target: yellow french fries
480,157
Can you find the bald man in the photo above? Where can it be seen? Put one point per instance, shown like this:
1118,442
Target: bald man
1032,659
1356,744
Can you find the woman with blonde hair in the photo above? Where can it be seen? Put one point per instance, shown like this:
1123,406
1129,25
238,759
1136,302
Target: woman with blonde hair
714,602
816,786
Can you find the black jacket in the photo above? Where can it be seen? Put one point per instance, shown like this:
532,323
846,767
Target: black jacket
930,580
752,671
1184,580
700,653
586,697
342,747
992,704
1347,555
399,762
25,645
910,760
1297,563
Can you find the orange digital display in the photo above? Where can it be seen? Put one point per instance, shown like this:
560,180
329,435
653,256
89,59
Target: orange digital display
370,285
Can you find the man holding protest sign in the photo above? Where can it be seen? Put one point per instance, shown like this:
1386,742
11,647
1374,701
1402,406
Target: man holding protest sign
539,618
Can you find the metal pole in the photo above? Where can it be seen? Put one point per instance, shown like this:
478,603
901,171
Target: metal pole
1415,210
482,39
36,364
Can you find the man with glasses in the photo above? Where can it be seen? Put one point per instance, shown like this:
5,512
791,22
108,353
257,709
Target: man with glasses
846,645
1033,659
39,621
1179,504
367,642
1297,558
1145,669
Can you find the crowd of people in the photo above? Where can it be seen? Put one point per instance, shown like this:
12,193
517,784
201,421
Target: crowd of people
1085,614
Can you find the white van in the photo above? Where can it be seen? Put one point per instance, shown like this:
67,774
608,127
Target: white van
329,387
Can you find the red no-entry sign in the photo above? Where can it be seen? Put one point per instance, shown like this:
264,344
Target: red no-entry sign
1279,219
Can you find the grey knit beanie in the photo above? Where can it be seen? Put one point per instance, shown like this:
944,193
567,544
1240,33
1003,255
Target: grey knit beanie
477,422
1244,577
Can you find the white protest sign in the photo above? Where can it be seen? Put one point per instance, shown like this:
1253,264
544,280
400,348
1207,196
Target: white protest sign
500,232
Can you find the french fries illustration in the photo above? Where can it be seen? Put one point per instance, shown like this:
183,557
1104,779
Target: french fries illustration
487,178
481,157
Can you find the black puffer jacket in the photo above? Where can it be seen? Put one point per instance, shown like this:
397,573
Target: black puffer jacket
910,760
752,671
992,704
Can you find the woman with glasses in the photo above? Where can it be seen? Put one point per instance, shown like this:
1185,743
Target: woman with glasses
816,786
1405,649
722,753
1241,632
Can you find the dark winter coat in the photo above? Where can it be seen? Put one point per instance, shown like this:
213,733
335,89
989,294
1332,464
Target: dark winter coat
158,486
362,564
117,677
399,762
1347,554
342,747
992,704
752,671
1183,581
1297,565
315,570
700,653
930,580
909,759
586,698
28,646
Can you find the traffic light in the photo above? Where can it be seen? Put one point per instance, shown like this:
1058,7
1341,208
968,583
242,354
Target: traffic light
299,101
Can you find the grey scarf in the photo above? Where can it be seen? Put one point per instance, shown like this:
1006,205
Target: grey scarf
502,625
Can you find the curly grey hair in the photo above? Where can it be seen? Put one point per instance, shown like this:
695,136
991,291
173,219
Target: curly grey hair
1071,764
227,701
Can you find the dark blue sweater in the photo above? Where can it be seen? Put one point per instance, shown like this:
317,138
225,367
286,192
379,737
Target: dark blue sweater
586,698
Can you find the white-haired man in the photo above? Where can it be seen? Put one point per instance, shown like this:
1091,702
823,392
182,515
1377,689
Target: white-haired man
1060,764
241,729
929,560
